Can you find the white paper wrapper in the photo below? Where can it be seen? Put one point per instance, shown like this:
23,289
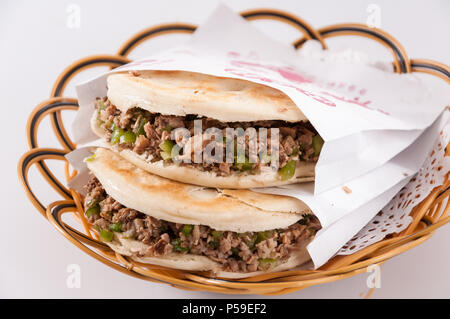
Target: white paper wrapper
334,236
370,118
394,217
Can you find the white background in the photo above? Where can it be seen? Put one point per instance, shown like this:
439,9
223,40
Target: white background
36,44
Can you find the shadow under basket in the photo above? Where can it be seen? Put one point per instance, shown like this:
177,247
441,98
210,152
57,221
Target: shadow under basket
427,216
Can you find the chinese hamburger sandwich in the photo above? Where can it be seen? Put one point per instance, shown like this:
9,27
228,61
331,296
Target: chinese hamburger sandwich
231,233
143,110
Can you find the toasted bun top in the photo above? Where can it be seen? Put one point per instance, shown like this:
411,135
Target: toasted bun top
237,210
181,93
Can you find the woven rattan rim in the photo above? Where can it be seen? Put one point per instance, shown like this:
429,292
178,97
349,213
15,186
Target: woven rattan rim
428,216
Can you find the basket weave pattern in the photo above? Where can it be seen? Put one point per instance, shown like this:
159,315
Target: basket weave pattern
429,215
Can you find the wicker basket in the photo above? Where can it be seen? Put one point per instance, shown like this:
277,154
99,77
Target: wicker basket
428,216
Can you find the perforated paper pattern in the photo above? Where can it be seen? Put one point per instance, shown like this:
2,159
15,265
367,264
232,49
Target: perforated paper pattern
394,217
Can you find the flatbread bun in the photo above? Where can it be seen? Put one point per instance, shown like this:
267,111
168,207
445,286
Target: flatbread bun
304,172
134,248
181,93
225,210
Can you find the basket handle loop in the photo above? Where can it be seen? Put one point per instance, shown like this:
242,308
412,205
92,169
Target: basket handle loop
38,156
401,60
257,14
431,67
83,64
54,212
153,32
309,32
51,107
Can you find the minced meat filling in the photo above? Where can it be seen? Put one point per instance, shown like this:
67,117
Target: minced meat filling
148,134
237,252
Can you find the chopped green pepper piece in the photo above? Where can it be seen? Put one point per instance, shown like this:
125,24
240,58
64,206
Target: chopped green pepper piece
91,158
166,149
128,137
187,230
93,210
165,156
288,170
106,235
317,143
101,105
166,146
117,133
250,240
176,152
117,227
93,202
294,151
141,130
267,263
245,166
177,246
216,234
263,235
